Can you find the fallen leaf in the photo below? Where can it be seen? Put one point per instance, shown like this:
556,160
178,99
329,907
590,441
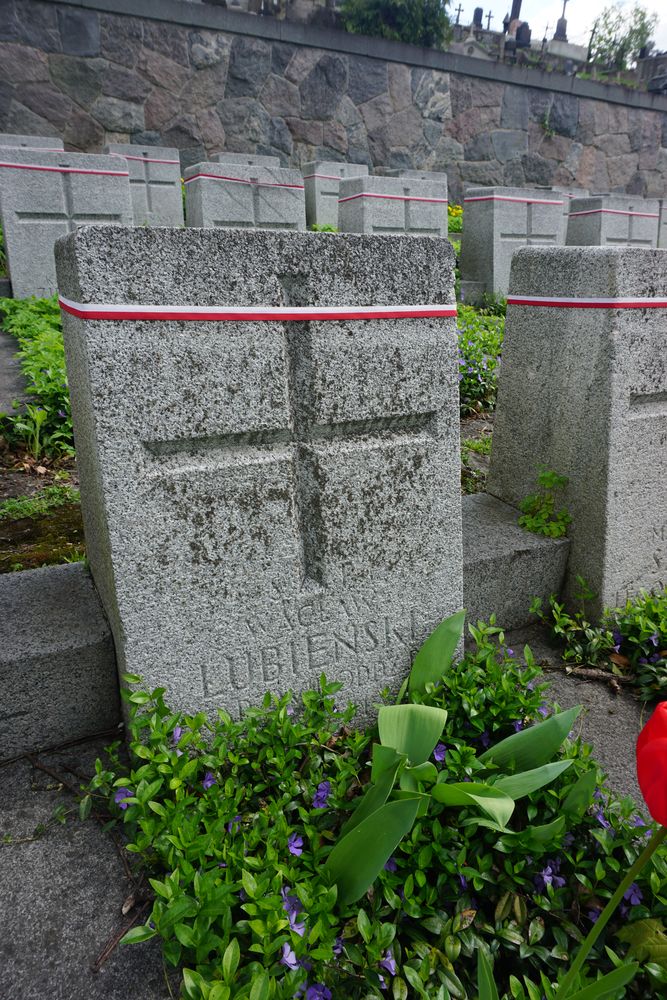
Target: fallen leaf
40,470
129,904
619,659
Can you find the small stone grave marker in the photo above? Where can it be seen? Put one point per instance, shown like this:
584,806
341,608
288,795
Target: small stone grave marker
223,195
49,143
249,159
45,195
583,391
155,183
613,220
392,205
322,179
267,439
496,221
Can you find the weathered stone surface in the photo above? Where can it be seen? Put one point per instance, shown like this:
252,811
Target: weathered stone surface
591,407
205,88
36,24
507,145
564,115
121,38
158,67
124,84
208,48
38,206
430,93
80,79
82,132
496,221
270,509
56,660
280,97
118,116
334,135
160,109
170,40
22,120
399,86
536,169
21,64
367,79
309,132
322,88
79,31
515,109
479,148
48,102
249,66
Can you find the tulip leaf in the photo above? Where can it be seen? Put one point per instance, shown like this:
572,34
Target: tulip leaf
384,758
489,799
647,940
534,746
580,795
359,857
486,986
435,656
411,729
518,785
607,987
411,776
376,795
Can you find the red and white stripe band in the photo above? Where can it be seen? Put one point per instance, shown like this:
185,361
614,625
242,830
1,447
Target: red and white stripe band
507,197
552,302
324,177
63,170
143,159
283,314
244,180
392,197
615,211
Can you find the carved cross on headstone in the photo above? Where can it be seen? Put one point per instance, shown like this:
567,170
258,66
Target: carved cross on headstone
146,180
239,190
299,443
409,225
70,217
530,237
648,404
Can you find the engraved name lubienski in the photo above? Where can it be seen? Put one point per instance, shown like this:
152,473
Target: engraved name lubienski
344,652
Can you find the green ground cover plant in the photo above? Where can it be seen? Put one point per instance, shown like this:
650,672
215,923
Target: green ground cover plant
511,844
630,641
45,427
539,513
48,499
480,343
454,218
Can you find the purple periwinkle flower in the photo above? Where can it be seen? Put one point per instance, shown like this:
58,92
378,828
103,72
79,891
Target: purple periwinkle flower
485,740
390,865
602,819
122,793
208,781
510,652
530,686
594,913
517,725
568,840
549,876
295,845
338,947
654,638
318,991
388,963
637,821
322,794
543,710
288,958
62,414
633,895
234,824
463,881
440,753
176,735
293,908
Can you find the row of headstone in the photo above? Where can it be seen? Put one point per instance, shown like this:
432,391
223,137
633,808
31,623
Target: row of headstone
497,221
47,192
267,498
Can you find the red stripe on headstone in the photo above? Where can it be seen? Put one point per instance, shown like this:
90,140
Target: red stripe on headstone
597,303
243,180
64,170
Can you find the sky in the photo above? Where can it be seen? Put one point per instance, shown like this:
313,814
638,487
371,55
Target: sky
539,13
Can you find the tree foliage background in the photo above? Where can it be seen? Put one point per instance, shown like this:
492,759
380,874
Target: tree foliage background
419,22
619,34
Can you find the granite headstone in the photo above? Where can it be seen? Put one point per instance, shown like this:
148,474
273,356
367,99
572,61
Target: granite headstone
155,183
613,220
321,180
392,205
224,194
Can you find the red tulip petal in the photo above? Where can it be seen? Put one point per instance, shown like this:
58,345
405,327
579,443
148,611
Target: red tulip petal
652,777
655,728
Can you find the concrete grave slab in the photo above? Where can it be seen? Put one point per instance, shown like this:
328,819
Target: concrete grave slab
49,143
321,180
155,183
56,660
583,391
613,220
265,499
247,159
392,205
244,196
45,195
662,224
496,221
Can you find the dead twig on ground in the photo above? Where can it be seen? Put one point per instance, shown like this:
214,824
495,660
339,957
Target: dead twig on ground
117,937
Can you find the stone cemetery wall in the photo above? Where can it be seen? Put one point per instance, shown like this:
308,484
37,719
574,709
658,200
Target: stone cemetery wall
265,499
201,78
583,391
